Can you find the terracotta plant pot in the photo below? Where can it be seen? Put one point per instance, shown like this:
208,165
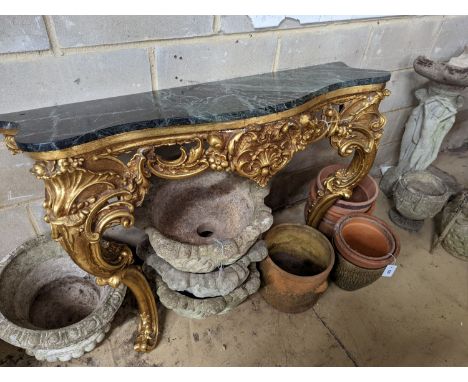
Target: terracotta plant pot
365,245
295,273
364,194
363,199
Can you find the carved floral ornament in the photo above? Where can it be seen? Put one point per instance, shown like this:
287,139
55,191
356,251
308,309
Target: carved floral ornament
88,193
91,193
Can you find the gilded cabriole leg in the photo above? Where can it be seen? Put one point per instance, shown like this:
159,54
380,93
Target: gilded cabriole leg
134,279
357,129
84,197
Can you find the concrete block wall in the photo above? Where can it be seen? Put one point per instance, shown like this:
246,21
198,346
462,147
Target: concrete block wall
48,60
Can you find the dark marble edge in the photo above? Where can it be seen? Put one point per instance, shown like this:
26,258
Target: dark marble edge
65,143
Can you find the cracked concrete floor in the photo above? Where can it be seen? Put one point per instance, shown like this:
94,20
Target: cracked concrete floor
419,317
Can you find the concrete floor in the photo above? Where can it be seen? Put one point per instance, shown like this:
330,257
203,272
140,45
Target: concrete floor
419,317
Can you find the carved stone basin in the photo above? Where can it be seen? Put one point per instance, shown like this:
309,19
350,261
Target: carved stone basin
190,306
201,223
49,306
420,195
212,284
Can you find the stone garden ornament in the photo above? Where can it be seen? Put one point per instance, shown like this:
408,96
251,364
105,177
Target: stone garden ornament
49,306
418,195
432,119
201,223
211,284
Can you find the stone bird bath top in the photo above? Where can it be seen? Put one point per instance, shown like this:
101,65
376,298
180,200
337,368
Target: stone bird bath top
64,126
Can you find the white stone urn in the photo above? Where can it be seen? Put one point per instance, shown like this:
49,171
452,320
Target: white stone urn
49,306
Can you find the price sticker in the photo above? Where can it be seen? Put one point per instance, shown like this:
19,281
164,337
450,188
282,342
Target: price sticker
389,270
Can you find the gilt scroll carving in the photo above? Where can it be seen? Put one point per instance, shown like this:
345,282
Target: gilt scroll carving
90,192
84,197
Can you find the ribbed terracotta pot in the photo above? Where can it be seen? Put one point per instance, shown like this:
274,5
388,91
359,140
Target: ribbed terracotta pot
295,272
365,245
363,199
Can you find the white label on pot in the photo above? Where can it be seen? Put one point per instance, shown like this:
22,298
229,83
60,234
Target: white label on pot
389,270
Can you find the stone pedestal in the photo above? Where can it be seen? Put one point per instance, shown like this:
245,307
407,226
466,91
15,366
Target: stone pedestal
204,234
431,120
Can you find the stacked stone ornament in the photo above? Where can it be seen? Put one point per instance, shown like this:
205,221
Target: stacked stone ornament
203,232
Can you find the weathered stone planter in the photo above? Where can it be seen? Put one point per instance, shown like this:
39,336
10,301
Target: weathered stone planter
212,284
363,199
295,272
189,306
365,245
456,240
418,195
49,306
207,221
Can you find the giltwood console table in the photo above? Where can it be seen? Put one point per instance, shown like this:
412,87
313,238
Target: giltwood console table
251,125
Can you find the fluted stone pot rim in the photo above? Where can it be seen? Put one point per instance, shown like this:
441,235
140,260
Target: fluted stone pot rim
417,204
359,259
219,305
36,340
202,258
210,284
406,179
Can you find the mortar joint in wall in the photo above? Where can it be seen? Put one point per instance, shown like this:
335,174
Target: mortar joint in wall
51,33
153,72
219,37
20,204
32,220
216,24
277,55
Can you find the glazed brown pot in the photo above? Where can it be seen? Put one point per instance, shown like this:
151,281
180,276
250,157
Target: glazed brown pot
350,277
364,245
366,241
295,272
362,200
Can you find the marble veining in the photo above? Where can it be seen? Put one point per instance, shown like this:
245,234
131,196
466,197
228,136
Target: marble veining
64,126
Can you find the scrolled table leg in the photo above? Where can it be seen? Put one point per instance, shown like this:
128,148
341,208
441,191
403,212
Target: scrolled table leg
82,201
134,279
358,130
